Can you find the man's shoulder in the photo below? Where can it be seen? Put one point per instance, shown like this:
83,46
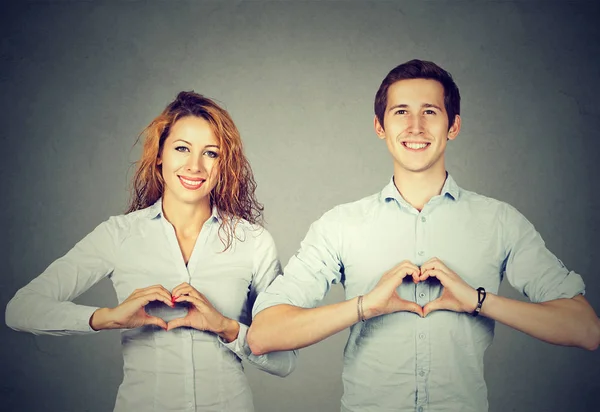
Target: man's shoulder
356,210
477,199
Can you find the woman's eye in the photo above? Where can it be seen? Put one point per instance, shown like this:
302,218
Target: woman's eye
429,112
401,111
211,154
182,149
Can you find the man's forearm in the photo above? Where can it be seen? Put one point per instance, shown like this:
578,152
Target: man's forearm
287,327
568,322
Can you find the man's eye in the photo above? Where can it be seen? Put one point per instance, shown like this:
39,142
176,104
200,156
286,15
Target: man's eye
182,149
401,111
429,112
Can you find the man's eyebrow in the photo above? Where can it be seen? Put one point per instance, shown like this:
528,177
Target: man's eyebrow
432,105
424,105
398,106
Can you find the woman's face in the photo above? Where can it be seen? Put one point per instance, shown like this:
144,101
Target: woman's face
189,161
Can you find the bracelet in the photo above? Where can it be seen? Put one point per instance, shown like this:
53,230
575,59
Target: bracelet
359,309
480,298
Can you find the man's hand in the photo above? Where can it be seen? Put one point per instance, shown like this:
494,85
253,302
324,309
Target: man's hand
457,295
201,314
384,298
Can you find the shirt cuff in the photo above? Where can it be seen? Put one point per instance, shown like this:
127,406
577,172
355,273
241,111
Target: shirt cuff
238,345
81,319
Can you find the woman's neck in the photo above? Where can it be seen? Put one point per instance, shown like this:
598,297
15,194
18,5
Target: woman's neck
186,218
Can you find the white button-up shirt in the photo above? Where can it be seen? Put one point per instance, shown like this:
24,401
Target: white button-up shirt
400,361
183,369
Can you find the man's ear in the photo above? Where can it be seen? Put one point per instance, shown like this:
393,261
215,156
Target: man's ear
378,128
455,129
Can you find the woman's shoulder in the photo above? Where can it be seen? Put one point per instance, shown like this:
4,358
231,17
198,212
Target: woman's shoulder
125,221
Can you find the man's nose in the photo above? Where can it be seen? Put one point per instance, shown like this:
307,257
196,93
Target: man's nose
415,125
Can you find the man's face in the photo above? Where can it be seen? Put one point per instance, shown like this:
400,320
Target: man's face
416,125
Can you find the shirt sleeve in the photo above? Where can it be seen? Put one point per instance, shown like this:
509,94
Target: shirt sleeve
530,267
311,271
266,268
44,305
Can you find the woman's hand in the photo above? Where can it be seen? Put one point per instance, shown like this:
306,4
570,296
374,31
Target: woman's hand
131,313
202,315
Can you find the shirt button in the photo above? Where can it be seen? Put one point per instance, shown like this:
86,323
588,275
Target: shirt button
421,253
421,373
421,295
423,219
421,336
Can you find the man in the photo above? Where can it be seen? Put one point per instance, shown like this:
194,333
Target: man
419,345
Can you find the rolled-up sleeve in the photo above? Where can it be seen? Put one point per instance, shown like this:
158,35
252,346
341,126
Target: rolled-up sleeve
311,271
266,268
44,305
530,267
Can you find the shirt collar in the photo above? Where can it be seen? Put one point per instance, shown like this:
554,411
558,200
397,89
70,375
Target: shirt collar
450,189
155,211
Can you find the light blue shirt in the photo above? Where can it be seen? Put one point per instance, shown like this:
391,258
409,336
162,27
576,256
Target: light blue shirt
400,361
183,369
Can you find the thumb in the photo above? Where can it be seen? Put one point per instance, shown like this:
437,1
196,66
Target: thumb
436,304
153,320
407,306
177,323
414,307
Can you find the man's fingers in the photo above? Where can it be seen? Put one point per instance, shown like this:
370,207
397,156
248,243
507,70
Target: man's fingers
402,305
436,304
416,274
436,273
413,307
435,263
406,269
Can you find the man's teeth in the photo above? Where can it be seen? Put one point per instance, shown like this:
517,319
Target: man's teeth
415,145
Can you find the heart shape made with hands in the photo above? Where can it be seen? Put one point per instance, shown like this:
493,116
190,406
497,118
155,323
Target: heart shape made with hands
167,312
185,306
456,296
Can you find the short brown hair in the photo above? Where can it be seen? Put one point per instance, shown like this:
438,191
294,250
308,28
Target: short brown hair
420,69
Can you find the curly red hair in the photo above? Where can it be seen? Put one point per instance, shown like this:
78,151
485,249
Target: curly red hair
234,193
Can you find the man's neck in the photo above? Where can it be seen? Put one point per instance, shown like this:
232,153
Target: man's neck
418,188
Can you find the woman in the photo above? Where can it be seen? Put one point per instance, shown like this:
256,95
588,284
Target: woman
186,261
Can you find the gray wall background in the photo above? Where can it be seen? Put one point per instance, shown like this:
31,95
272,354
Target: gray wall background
79,80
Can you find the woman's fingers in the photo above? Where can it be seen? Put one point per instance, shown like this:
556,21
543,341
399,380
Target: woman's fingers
156,289
153,320
185,289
